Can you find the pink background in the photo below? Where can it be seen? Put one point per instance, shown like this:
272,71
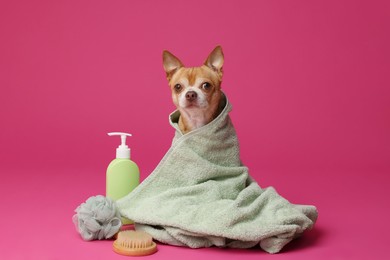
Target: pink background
310,90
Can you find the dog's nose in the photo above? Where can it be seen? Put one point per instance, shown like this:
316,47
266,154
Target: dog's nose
191,95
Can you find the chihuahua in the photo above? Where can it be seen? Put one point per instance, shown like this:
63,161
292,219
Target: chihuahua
196,92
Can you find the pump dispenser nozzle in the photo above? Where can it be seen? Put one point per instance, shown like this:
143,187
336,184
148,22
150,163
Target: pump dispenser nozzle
123,151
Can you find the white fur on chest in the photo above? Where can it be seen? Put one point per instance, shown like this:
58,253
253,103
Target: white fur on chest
194,117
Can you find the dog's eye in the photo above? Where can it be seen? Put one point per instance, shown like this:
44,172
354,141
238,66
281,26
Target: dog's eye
206,86
177,87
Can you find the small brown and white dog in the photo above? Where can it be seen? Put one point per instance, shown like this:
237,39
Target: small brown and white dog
196,92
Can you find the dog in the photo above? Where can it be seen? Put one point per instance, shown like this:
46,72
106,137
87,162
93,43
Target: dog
196,91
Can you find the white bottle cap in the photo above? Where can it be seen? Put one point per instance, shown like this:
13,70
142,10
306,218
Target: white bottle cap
123,151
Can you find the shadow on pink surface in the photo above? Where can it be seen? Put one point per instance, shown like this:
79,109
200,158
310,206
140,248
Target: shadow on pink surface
309,239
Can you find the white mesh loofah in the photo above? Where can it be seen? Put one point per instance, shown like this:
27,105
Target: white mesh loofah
97,218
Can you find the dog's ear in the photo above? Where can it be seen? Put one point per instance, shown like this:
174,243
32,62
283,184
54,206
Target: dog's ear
171,64
215,60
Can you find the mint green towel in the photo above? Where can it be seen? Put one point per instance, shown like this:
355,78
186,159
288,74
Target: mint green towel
200,195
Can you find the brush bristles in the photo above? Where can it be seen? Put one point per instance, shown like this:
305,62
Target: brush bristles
131,242
134,239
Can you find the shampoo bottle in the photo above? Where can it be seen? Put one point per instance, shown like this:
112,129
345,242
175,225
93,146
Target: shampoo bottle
122,173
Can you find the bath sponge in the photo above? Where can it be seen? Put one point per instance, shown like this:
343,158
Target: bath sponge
97,218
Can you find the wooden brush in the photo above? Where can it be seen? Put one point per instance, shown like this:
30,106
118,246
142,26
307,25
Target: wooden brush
134,243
